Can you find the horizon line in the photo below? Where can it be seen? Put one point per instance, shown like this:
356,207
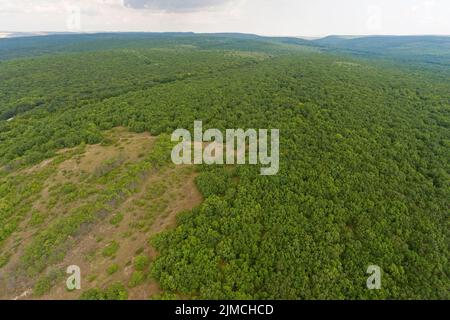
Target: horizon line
48,33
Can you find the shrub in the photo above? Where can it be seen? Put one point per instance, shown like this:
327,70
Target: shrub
116,219
213,182
42,286
137,278
111,249
92,294
37,218
4,259
116,291
141,262
112,269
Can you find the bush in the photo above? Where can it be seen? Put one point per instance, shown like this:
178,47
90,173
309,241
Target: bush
37,218
92,294
213,182
112,269
111,249
4,260
42,286
141,262
116,291
116,219
137,278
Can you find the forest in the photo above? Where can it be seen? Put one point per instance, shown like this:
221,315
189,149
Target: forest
364,175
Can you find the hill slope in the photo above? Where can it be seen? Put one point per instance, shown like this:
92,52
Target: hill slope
364,172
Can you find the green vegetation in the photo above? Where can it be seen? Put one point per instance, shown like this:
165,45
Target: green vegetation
364,173
4,260
116,219
44,284
137,278
112,269
141,262
115,291
111,249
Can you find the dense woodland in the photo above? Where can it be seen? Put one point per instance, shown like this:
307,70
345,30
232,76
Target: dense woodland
364,160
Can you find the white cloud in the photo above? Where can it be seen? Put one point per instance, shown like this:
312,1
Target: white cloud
272,17
173,5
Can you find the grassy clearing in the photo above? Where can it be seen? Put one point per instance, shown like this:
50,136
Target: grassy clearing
93,206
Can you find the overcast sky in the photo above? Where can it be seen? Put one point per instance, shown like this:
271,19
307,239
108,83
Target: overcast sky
265,17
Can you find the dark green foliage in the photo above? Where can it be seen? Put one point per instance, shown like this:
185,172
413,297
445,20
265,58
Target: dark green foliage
213,182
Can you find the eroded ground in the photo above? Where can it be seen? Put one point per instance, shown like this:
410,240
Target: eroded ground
95,207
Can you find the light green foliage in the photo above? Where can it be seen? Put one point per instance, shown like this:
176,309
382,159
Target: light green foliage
112,269
111,249
37,218
42,287
116,219
141,262
137,278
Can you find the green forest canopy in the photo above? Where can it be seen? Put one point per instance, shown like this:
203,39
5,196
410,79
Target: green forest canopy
364,156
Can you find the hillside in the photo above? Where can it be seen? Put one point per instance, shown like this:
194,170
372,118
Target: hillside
433,51
86,177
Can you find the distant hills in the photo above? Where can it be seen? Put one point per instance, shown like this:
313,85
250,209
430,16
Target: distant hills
6,34
433,50
428,49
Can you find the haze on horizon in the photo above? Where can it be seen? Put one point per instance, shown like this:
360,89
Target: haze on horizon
264,17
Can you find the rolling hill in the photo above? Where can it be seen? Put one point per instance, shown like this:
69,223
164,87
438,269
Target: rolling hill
86,177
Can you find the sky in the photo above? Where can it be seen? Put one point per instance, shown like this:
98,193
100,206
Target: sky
311,18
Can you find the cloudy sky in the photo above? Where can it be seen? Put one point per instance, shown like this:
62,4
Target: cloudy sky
265,17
